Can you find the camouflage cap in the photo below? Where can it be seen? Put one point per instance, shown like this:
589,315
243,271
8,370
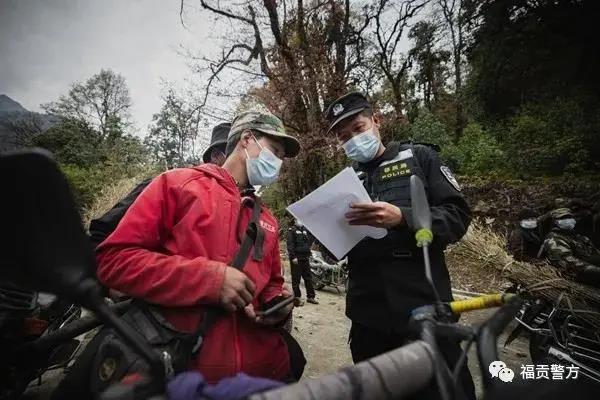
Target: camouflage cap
561,202
267,124
561,213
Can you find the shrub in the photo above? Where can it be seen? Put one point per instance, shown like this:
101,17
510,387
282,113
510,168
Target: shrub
475,153
554,138
429,129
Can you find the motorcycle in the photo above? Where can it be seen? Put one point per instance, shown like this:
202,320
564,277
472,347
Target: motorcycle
27,316
328,274
58,239
559,336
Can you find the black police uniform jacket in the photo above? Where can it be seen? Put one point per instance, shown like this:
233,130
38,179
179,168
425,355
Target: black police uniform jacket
387,276
299,242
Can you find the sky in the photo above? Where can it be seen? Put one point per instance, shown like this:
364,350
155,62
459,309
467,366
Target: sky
46,45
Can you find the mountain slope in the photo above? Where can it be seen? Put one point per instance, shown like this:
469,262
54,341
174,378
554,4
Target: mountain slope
8,105
14,114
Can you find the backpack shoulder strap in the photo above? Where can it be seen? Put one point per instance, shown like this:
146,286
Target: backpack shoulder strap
254,236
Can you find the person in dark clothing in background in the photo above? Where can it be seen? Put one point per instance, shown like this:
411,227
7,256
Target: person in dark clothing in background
525,240
387,276
299,243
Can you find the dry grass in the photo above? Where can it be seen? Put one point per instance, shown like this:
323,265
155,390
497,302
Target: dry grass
485,251
109,196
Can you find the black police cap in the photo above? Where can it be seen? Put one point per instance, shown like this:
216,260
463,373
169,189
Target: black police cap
344,107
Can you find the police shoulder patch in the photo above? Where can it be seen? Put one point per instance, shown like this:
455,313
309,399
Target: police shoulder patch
449,177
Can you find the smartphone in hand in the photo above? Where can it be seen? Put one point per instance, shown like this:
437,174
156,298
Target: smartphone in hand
279,303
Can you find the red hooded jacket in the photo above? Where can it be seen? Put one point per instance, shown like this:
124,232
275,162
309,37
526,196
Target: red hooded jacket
171,249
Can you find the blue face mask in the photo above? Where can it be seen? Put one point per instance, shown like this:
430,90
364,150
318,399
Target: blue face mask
567,224
362,147
264,169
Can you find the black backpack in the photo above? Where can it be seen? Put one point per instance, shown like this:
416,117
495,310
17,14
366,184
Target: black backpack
102,227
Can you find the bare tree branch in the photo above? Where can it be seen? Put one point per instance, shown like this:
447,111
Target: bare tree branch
388,39
224,13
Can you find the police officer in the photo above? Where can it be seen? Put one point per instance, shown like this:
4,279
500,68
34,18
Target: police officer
387,276
299,243
572,253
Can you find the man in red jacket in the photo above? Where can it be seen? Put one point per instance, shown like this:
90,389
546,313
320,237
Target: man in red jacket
174,246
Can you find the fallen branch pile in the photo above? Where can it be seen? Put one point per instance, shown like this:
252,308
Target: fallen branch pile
485,250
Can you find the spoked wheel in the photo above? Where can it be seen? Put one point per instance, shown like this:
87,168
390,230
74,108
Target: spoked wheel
317,282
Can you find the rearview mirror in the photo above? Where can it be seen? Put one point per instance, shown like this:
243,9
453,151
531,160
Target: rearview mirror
47,248
420,205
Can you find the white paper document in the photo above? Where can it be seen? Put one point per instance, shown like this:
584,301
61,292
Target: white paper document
322,213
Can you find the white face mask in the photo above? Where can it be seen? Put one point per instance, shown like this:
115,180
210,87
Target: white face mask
567,224
529,223
264,169
362,147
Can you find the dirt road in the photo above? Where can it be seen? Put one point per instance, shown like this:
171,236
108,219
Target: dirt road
322,330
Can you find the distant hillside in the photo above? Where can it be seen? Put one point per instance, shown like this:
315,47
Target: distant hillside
13,114
8,105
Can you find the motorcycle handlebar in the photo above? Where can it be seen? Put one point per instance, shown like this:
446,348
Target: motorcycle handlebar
395,374
480,303
73,329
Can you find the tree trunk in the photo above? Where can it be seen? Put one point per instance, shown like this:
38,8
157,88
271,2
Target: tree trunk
398,101
458,99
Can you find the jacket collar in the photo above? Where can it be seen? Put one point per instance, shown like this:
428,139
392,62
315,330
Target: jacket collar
224,178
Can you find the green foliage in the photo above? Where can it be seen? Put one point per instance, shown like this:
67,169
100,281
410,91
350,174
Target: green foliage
86,183
72,142
429,129
274,198
475,153
90,141
526,52
303,174
174,131
553,138
89,162
431,70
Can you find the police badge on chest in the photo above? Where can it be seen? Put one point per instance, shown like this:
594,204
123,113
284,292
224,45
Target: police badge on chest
394,170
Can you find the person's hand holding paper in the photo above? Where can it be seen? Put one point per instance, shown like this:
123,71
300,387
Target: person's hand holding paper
379,214
323,212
